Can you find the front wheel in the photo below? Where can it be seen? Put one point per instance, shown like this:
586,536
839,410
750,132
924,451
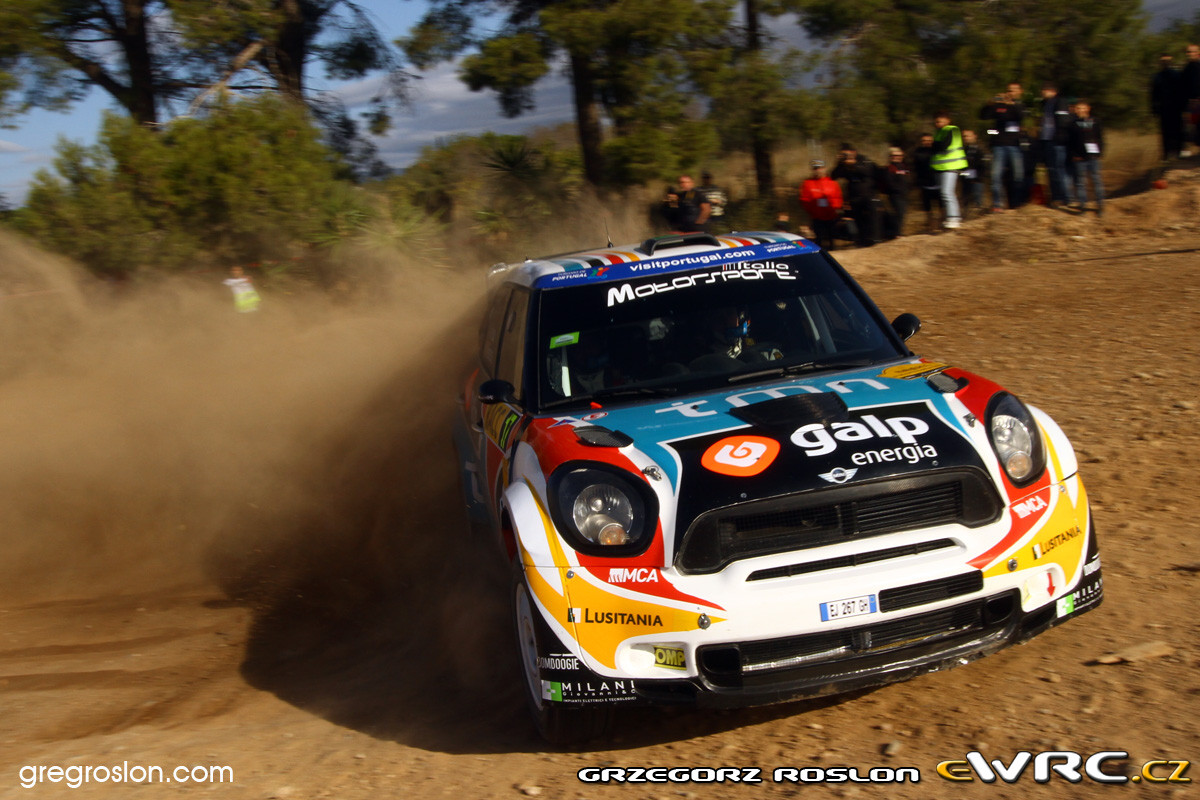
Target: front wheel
558,723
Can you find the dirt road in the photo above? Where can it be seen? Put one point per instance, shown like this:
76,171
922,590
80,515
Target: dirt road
231,548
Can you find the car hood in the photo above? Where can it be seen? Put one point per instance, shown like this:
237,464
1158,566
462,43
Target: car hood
795,435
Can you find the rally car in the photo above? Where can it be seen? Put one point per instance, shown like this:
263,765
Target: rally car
720,477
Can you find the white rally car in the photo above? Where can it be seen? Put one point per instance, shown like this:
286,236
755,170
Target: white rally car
722,478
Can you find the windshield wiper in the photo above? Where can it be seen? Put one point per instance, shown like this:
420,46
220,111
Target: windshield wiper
797,369
636,391
615,391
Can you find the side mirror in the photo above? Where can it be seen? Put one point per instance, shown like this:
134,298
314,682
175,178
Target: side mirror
906,325
496,391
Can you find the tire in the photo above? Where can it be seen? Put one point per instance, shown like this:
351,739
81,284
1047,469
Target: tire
557,723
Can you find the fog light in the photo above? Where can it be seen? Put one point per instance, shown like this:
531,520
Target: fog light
1019,465
613,534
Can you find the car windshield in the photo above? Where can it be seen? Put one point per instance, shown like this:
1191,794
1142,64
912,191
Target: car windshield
687,331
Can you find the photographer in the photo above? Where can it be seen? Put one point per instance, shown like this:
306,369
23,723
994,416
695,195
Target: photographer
1005,116
686,209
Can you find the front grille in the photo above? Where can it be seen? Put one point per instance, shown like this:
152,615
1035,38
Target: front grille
833,653
919,594
852,560
829,516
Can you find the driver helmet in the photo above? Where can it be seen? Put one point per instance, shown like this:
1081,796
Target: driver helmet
730,327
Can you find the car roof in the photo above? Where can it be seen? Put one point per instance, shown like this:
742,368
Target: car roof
657,255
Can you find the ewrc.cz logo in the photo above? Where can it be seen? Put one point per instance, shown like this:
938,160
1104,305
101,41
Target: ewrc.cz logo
1066,764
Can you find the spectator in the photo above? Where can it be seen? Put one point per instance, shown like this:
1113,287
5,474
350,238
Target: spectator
716,201
1086,145
822,199
1005,115
1190,78
1052,143
949,159
1168,103
1071,102
859,174
926,178
972,176
895,180
245,297
686,209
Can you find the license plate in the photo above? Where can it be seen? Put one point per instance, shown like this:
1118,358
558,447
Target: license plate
850,607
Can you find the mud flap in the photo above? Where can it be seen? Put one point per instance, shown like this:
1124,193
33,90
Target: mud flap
469,479
1089,590
567,680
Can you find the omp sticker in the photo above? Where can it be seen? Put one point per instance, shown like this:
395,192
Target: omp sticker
669,657
740,456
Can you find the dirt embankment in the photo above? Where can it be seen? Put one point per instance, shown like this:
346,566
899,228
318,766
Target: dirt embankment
234,540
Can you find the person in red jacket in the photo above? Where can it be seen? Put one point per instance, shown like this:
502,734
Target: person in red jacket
822,199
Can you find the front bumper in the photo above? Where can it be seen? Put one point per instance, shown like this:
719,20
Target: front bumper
885,650
772,671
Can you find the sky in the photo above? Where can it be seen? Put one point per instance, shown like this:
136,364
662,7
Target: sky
441,106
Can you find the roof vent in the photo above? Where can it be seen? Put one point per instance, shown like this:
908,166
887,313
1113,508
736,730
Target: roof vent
793,410
679,240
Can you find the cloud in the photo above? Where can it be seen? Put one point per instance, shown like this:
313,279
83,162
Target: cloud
443,107
1164,12
12,147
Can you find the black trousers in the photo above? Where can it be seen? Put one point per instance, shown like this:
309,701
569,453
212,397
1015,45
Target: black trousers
1171,128
868,215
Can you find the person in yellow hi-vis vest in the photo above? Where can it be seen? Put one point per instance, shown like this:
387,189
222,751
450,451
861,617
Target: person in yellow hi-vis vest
949,158
245,297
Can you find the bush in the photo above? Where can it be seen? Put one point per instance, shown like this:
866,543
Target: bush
247,181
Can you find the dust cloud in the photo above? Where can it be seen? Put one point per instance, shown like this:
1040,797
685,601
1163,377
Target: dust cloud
162,450
152,436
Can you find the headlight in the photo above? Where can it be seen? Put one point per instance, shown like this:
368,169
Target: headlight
602,510
603,514
1015,439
